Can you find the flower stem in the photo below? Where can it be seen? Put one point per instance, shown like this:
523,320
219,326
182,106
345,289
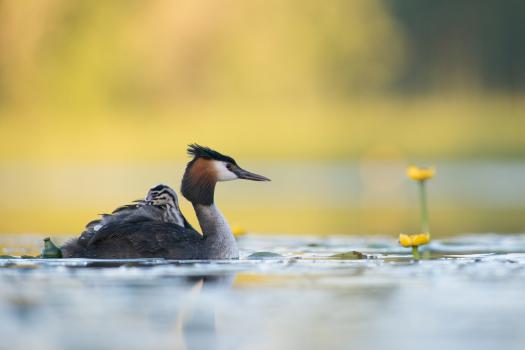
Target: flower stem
415,253
424,209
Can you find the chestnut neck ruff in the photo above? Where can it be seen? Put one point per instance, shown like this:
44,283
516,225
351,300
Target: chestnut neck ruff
199,180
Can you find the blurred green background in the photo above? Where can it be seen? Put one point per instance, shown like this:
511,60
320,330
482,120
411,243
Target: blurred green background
331,99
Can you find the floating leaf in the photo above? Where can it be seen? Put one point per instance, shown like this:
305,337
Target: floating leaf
353,255
264,255
7,257
50,250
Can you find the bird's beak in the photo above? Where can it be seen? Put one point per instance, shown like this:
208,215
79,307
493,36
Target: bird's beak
246,175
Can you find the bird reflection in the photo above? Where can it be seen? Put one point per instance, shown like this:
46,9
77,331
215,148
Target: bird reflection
195,324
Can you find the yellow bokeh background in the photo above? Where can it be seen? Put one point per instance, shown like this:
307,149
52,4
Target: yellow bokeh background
98,101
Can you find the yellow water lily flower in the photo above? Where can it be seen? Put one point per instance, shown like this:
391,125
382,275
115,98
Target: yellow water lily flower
414,240
420,174
238,230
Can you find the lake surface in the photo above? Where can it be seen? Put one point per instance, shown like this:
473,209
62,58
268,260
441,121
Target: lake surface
284,293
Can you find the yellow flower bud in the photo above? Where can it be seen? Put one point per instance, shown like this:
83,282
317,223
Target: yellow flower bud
420,174
405,240
420,239
414,240
238,231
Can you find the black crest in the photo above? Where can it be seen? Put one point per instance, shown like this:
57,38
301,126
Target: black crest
196,151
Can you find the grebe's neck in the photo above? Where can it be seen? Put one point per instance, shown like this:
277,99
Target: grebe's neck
198,186
219,242
198,182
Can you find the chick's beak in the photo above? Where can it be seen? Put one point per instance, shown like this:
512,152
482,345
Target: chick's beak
246,175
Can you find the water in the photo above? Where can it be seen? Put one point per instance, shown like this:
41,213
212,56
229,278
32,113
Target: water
301,296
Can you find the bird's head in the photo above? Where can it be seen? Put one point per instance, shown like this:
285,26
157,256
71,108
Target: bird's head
162,195
206,169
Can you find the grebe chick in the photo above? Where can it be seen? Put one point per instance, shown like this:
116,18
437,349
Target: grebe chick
165,198
156,238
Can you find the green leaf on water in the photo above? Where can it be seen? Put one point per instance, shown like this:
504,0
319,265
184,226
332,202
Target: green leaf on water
18,257
264,255
353,255
50,250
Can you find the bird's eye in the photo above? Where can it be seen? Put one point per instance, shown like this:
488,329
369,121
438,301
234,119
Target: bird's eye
228,166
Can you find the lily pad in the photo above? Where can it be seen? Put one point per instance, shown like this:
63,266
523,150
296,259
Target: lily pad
264,255
353,255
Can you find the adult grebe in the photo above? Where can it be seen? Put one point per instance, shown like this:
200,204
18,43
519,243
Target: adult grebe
144,236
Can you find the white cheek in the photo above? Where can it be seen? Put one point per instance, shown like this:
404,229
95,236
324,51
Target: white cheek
223,174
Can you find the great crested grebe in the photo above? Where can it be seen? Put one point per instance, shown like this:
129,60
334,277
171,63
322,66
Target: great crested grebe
135,234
